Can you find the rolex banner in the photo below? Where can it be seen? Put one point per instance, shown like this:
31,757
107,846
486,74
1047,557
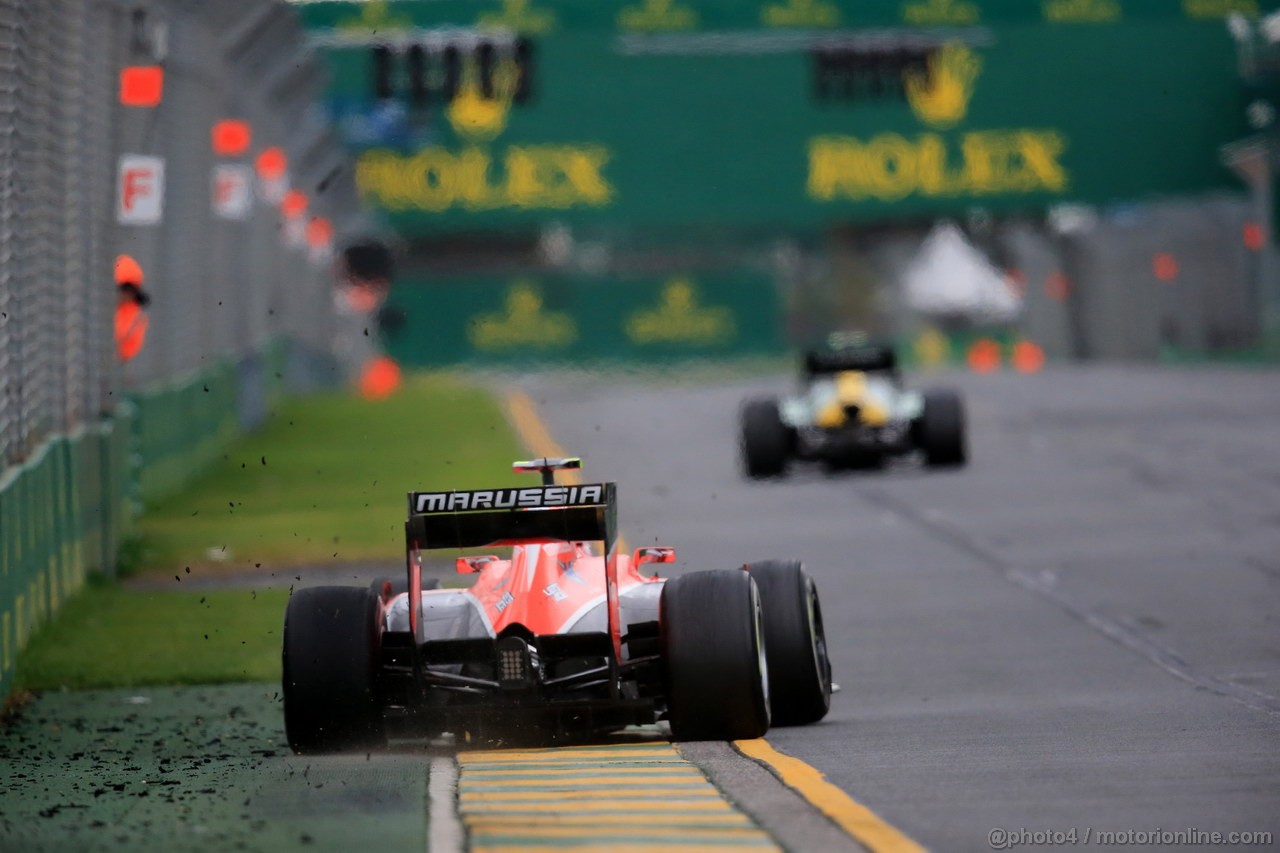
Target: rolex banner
775,113
491,320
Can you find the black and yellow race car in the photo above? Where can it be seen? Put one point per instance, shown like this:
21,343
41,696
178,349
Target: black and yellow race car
853,411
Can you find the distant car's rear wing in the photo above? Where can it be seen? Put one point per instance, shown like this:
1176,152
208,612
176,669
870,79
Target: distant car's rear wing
865,357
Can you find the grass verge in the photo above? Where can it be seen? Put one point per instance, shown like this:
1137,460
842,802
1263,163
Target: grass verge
109,636
325,479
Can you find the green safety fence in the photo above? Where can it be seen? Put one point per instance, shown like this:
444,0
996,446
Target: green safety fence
65,511
62,514
181,428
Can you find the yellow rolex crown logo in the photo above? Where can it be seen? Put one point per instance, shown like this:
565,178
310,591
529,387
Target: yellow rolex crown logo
475,116
940,95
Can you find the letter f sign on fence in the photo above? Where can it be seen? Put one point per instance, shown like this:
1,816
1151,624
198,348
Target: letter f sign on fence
140,194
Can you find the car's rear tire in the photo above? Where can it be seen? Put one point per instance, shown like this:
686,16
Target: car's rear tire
796,647
766,440
713,648
332,647
940,429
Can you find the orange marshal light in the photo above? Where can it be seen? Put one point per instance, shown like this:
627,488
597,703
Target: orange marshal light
231,137
128,271
272,164
379,378
141,85
319,232
294,204
1254,238
1164,266
984,356
1027,357
1017,280
1057,286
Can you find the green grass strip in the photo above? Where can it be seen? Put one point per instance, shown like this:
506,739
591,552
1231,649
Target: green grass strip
110,636
325,479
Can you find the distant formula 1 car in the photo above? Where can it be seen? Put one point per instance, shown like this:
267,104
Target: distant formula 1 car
852,412
555,640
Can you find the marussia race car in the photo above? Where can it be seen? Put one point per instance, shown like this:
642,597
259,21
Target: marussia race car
555,641
853,411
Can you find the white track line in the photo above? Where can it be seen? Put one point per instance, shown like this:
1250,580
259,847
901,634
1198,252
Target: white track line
444,829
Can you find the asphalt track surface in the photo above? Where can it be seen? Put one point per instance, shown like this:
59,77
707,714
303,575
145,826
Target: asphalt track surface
1080,630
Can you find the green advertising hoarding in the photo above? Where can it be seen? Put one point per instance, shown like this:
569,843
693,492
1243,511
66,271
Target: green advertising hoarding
521,320
667,113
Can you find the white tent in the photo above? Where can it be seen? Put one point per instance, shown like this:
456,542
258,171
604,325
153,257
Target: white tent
950,278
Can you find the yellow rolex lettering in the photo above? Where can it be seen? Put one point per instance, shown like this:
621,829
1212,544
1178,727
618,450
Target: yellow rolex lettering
474,189
800,13
1219,8
952,12
1081,11
933,168
656,15
1040,153
985,157
525,186
584,167
890,167
828,159
532,176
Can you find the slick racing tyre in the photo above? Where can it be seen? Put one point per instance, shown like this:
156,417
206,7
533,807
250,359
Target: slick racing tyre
332,650
713,647
766,440
940,429
796,647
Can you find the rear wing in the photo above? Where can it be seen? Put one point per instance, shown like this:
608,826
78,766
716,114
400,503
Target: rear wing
476,519
494,517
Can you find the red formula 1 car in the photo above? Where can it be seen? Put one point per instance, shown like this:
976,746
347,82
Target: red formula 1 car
555,641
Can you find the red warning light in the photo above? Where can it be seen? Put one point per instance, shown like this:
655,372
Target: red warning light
294,204
1164,266
984,356
272,164
141,85
1254,238
231,137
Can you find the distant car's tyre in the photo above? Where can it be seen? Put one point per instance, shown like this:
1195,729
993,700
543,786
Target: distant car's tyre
332,646
766,440
713,647
940,429
796,647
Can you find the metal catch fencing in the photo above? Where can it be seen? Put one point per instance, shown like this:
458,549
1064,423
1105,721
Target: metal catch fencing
185,135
